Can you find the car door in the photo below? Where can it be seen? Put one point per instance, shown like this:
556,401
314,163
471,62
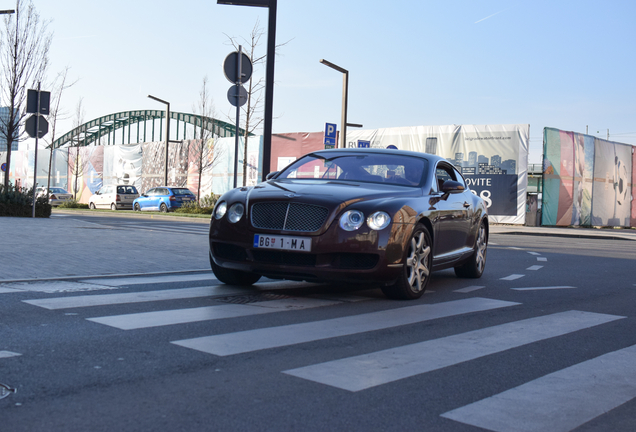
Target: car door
102,196
453,214
153,198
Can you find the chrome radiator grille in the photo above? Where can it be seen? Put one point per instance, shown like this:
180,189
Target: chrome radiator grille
288,216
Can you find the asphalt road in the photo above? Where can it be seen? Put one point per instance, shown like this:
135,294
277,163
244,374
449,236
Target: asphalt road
544,341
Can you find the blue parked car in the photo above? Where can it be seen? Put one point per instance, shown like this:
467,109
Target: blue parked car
163,198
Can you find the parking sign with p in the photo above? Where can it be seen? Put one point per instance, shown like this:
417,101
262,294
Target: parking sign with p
330,135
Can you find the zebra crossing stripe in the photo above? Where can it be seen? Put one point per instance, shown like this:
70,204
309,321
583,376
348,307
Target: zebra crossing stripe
136,297
116,282
182,316
7,354
382,367
560,401
258,339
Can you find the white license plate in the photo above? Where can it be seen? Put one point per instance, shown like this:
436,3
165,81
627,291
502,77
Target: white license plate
299,244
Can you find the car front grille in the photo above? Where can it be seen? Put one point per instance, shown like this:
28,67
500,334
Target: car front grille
288,216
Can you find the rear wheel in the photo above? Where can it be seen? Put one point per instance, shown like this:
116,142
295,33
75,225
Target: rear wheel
113,206
163,208
417,268
474,267
233,277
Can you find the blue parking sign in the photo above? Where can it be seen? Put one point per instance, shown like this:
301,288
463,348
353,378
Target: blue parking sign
364,144
330,135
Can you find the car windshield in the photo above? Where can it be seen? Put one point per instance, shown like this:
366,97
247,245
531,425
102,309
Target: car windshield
126,190
363,167
57,190
181,191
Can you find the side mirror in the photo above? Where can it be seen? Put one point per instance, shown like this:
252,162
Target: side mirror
451,187
271,175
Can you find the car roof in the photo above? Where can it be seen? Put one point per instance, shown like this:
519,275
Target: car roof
355,151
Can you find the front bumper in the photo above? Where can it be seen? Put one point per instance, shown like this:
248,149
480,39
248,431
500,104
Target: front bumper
336,255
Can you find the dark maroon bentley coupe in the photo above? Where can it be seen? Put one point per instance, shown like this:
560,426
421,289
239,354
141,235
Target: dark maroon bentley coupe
372,216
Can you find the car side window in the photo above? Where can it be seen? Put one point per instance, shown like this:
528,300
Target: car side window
444,173
459,178
151,192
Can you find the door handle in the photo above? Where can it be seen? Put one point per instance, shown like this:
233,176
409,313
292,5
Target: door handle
466,205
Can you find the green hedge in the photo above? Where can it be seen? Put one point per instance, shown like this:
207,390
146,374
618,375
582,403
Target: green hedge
18,202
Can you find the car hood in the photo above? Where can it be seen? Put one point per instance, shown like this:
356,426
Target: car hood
329,193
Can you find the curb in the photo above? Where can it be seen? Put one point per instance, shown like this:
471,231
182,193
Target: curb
106,276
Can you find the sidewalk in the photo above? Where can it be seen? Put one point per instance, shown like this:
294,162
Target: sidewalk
66,247
577,232
63,247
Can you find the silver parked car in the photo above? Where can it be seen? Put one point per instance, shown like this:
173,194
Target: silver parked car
115,197
57,195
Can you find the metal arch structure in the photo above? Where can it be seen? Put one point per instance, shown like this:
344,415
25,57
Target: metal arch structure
93,131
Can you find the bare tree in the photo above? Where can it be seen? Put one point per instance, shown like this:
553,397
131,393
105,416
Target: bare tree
23,62
202,151
253,109
60,83
76,165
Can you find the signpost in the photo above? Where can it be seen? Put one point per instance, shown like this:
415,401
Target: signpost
238,69
330,135
36,127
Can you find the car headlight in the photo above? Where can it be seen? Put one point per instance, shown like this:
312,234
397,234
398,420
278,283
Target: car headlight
236,212
351,220
220,210
378,220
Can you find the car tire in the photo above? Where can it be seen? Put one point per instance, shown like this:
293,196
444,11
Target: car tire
91,206
113,206
416,272
233,277
474,267
137,207
163,208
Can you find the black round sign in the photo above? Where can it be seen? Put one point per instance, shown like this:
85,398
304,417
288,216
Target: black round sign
237,95
230,68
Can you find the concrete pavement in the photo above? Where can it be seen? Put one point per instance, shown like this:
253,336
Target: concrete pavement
65,247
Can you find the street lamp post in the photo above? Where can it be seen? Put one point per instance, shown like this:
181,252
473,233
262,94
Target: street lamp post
345,92
269,74
167,133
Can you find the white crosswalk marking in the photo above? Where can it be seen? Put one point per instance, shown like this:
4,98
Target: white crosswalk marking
135,297
543,288
182,316
370,370
470,289
252,340
7,354
560,401
151,279
8,290
512,277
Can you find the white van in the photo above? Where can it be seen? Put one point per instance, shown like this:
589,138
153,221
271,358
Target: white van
115,197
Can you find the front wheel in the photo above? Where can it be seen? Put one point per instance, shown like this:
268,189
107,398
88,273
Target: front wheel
474,267
233,277
92,206
137,207
417,268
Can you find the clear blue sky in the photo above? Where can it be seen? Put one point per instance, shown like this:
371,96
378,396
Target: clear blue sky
563,64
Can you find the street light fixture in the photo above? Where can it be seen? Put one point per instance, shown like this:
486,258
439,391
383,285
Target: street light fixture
167,132
345,91
269,75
